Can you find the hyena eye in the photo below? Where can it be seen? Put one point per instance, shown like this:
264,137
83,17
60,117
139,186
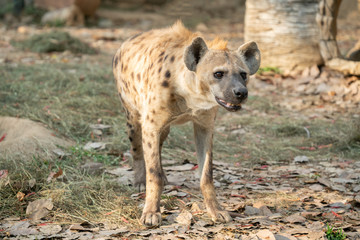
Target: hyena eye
243,75
218,75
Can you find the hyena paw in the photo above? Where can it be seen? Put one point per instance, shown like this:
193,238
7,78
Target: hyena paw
151,219
221,216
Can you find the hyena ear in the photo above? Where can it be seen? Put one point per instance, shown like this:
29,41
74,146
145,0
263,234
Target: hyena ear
250,53
194,53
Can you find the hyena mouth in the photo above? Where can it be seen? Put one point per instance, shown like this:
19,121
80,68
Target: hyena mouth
228,106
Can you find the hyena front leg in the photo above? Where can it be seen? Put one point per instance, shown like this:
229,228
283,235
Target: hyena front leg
203,140
151,215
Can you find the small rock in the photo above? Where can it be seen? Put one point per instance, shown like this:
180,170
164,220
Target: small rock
301,159
251,211
265,211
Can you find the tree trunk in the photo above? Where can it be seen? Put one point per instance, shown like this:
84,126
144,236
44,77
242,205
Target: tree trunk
286,32
326,19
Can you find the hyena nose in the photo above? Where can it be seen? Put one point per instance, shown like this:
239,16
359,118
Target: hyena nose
240,93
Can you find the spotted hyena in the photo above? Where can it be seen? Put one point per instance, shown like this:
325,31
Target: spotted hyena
171,76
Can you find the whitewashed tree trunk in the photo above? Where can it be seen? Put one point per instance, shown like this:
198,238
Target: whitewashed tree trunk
286,32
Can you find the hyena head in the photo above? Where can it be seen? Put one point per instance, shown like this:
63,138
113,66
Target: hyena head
224,73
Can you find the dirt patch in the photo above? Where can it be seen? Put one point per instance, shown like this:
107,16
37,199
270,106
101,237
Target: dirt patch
25,138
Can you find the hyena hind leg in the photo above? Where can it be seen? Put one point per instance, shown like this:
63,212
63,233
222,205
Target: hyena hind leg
135,137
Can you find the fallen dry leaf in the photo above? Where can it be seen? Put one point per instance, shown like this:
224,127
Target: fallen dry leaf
265,234
184,218
20,196
39,209
50,229
295,218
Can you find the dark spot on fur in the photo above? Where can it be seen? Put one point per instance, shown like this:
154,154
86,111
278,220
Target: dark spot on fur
167,74
151,51
153,155
138,76
160,69
152,170
130,138
160,59
132,132
172,59
152,120
129,125
134,149
166,56
153,111
165,84
125,68
149,144
151,65
161,54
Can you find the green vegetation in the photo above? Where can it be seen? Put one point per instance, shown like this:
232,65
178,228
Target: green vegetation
268,69
54,41
332,234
